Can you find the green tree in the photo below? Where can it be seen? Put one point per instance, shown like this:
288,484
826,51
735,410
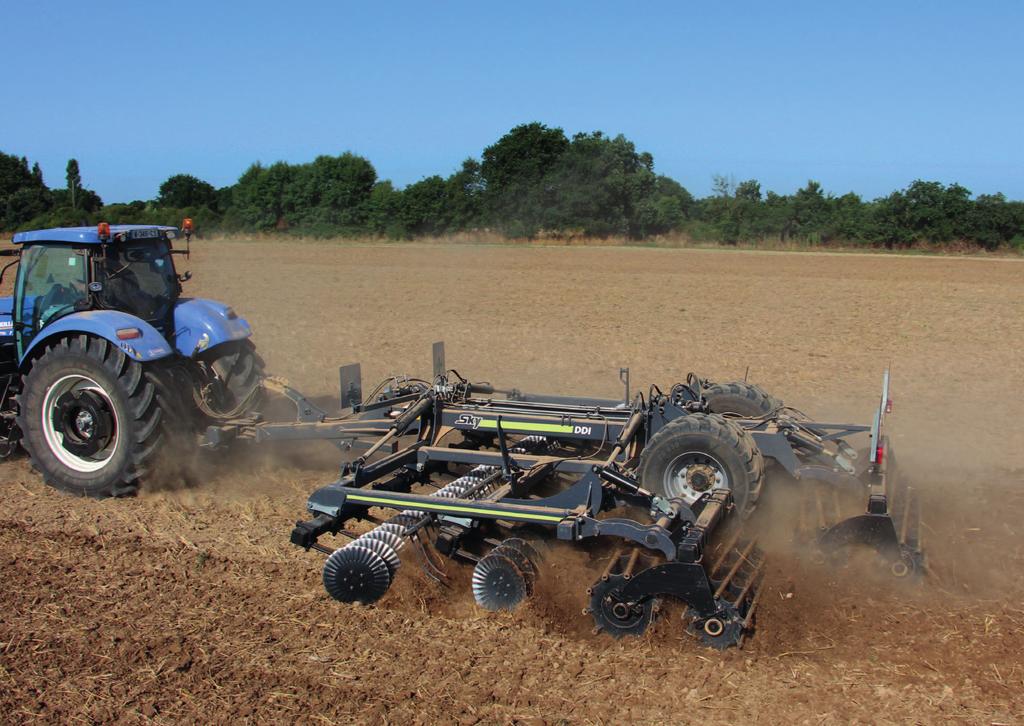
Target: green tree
23,195
598,185
258,199
513,170
185,190
423,207
74,181
667,209
331,194
993,221
464,192
811,212
384,211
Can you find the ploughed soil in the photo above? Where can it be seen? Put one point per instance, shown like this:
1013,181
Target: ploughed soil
188,604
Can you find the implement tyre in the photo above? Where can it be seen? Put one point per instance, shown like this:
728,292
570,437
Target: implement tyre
741,399
701,452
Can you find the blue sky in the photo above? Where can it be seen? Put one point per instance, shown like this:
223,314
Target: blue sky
862,96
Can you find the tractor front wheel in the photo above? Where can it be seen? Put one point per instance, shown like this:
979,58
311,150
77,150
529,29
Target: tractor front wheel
91,418
231,381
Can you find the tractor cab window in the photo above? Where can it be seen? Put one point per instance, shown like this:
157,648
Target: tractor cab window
51,282
139,278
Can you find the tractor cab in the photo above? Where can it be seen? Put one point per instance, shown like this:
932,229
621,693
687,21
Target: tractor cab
127,268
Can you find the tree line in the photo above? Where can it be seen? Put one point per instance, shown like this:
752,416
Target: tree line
534,181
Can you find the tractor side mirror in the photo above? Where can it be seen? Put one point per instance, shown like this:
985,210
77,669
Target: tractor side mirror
185,277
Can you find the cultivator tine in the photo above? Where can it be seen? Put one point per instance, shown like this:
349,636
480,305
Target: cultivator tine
612,563
748,621
743,558
627,571
725,551
753,583
432,570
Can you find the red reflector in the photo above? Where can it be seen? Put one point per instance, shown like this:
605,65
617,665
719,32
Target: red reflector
129,333
888,406
879,454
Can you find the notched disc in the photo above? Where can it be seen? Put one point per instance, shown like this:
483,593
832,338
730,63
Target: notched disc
498,583
524,563
388,537
356,574
386,552
526,548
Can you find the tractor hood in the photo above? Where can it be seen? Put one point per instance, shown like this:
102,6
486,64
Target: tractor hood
201,324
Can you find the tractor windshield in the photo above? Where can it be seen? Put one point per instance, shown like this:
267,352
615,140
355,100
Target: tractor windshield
139,278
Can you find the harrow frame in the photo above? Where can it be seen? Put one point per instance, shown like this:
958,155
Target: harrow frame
514,446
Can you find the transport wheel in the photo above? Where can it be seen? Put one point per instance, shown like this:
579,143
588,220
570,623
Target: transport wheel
698,453
233,373
90,417
740,398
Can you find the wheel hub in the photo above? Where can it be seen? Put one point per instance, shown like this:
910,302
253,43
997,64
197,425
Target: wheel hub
693,474
85,423
700,477
84,420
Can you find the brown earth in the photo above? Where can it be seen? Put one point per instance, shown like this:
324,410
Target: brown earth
190,605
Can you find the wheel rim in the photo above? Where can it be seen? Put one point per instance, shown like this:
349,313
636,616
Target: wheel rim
692,474
80,423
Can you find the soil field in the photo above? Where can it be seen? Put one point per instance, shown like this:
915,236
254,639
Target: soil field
189,605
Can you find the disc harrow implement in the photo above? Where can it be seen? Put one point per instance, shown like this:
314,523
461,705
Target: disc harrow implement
660,489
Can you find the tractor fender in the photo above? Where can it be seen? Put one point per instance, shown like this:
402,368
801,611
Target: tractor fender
196,317
150,345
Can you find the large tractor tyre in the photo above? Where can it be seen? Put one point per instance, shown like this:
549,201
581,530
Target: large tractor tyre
233,376
740,398
699,453
91,418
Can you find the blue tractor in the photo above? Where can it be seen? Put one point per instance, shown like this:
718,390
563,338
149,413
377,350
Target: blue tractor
105,365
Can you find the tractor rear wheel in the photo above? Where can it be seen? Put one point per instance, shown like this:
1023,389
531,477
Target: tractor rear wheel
698,453
91,418
740,398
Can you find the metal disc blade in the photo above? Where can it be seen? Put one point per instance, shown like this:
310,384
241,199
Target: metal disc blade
356,574
498,584
404,520
386,552
526,548
388,537
395,528
522,562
